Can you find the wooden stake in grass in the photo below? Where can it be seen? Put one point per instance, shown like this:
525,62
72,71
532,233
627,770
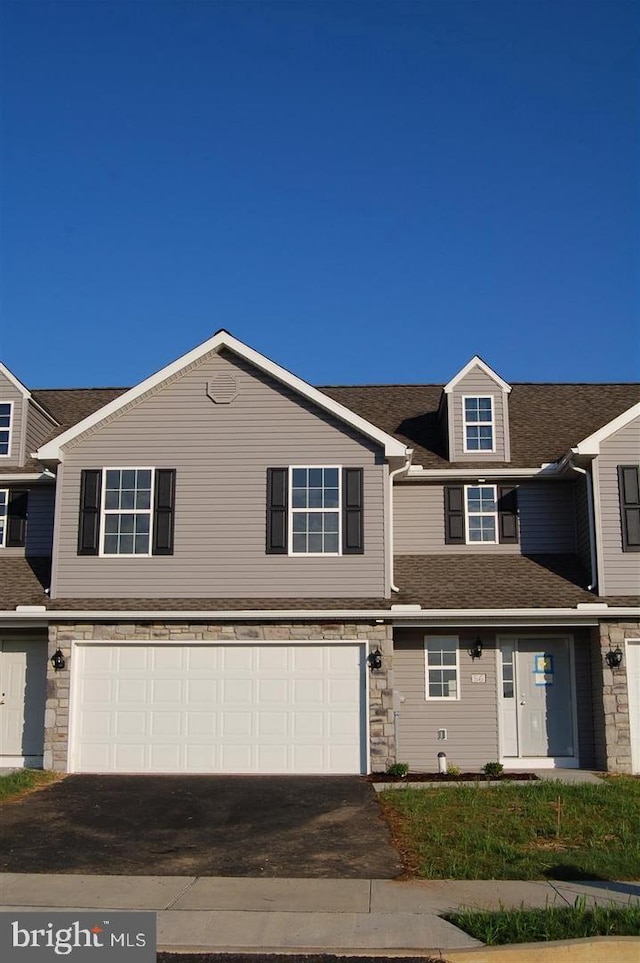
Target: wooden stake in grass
558,808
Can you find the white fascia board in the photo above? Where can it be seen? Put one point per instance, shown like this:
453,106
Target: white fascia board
14,381
435,474
30,477
392,447
591,445
417,616
47,414
477,362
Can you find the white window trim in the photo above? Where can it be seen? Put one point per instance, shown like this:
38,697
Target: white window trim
293,511
494,515
3,536
474,424
432,638
134,511
10,429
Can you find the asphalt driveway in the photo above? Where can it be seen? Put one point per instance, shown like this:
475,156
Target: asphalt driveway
278,826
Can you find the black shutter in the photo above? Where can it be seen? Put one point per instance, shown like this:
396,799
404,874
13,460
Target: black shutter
16,518
277,508
164,511
629,488
89,525
352,512
454,515
507,514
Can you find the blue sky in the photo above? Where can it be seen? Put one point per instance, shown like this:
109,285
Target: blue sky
365,192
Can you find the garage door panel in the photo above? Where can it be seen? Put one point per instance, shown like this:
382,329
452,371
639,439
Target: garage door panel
218,708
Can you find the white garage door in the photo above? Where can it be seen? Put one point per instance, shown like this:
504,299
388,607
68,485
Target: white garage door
218,708
633,682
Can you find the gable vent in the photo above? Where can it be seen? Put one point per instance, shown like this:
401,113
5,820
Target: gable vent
222,389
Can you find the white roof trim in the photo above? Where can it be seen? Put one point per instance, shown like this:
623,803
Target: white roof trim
32,476
410,614
477,362
392,447
591,445
14,381
435,474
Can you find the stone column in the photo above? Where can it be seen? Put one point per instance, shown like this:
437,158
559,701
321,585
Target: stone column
615,696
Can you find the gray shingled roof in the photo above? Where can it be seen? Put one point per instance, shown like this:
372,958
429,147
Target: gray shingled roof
432,581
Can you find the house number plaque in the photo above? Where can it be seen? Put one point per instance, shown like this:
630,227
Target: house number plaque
479,677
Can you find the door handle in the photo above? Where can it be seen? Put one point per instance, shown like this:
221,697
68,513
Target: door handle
523,701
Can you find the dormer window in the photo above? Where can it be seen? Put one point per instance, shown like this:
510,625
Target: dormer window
5,427
478,423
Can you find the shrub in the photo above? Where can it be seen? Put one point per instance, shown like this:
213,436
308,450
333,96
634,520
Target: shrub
493,769
454,770
398,769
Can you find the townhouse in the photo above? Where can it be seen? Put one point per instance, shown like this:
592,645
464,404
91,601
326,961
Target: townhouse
225,569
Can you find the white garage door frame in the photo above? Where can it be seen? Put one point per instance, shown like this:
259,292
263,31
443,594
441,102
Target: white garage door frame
76,667
632,659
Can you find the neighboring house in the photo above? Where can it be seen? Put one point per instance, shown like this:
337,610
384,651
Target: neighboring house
224,569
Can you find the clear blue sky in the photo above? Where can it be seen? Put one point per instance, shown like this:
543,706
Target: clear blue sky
365,192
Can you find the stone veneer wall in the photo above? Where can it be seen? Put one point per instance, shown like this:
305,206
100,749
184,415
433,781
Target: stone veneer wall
615,747
381,716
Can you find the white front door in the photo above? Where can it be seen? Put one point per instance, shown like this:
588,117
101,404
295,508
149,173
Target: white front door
633,683
23,670
536,701
256,708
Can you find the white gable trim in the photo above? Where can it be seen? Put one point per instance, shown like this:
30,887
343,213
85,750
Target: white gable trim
477,362
52,451
591,445
14,381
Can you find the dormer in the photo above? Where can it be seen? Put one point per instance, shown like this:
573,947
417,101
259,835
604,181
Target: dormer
24,423
476,401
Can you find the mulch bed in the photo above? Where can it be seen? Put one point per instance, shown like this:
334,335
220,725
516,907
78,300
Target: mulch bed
257,957
462,777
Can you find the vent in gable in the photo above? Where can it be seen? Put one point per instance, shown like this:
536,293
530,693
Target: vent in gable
222,389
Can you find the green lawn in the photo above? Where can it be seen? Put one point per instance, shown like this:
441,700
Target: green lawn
23,780
514,832
552,923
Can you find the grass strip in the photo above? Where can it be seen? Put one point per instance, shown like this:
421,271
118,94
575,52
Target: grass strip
21,781
552,923
545,830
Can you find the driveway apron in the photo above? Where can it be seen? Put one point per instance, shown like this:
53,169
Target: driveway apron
270,826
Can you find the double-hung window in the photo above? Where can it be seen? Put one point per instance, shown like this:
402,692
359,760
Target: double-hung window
478,423
315,511
126,511
4,504
481,513
441,667
6,411
127,500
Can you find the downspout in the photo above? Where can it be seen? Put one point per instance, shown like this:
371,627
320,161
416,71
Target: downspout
392,475
590,512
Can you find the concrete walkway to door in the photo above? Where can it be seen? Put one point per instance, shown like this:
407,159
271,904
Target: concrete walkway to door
253,826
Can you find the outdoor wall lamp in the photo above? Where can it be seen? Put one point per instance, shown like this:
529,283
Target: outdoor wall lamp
614,658
58,660
375,659
475,650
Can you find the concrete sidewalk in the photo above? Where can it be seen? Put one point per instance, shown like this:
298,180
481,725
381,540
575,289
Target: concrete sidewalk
231,913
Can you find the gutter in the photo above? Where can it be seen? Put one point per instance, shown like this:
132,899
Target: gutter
41,476
587,613
392,475
552,470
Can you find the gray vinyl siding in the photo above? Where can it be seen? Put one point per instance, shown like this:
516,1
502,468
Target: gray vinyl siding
40,520
39,532
39,427
621,569
583,543
546,513
221,454
471,722
477,383
8,392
